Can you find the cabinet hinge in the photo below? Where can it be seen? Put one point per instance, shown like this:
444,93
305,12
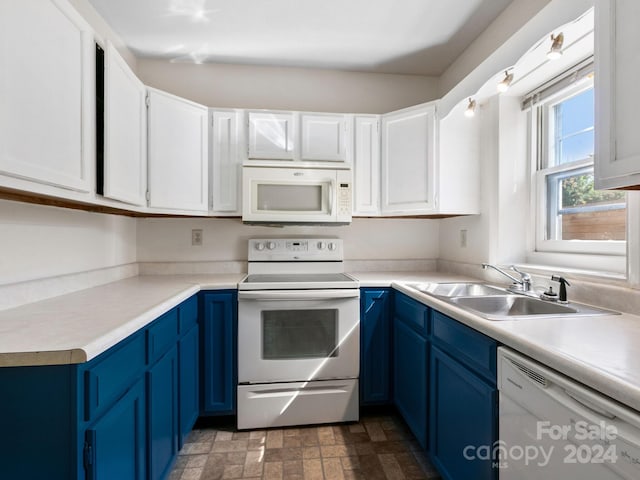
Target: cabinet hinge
147,101
87,455
147,195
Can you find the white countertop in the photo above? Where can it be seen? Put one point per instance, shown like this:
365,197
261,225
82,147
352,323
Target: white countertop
77,327
602,352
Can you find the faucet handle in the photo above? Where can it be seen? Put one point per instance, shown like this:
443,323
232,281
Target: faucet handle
524,275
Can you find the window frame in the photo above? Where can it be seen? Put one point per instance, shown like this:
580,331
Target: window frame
543,144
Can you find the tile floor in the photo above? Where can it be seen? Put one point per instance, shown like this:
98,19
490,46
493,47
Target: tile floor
379,446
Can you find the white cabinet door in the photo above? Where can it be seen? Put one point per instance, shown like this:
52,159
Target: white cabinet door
324,137
272,135
617,103
125,132
178,153
408,151
366,166
226,161
46,52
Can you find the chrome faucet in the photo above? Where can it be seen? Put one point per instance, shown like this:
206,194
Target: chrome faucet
520,285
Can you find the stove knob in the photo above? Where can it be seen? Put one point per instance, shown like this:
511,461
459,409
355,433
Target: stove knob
321,245
271,245
332,246
260,246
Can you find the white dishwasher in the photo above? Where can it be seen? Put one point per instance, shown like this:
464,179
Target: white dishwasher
552,427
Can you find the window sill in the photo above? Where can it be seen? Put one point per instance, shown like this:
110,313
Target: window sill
609,269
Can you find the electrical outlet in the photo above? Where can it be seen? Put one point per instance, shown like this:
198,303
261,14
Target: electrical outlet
196,237
463,238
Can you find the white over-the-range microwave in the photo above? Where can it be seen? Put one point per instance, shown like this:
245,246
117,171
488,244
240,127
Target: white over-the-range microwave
297,195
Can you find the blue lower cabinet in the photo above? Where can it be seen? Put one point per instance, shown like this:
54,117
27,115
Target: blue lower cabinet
219,322
463,412
110,374
115,445
38,418
162,414
189,378
121,415
410,374
375,346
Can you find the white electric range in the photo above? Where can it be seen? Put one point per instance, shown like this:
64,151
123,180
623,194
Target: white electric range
298,335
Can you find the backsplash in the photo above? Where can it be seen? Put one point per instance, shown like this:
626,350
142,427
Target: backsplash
16,294
182,268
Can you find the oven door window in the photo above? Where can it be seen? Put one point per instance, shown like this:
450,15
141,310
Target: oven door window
299,334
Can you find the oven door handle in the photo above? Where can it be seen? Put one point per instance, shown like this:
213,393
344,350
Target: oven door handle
299,295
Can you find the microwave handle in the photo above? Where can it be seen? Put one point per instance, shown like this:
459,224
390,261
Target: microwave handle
299,294
331,197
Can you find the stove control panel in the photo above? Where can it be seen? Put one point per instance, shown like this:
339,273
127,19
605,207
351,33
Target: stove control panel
295,249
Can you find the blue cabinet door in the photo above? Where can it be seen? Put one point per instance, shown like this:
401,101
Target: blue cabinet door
410,360
219,351
375,346
189,400
115,444
162,414
463,412
38,418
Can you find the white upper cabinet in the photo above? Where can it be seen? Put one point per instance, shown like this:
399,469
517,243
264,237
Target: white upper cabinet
324,137
46,94
125,132
272,135
617,103
458,163
226,161
408,153
178,153
298,136
366,165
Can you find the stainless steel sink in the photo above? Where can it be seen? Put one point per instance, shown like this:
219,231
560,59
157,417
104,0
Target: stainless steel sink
512,307
495,303
459,289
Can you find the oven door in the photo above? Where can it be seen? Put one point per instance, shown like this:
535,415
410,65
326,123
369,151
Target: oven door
298,335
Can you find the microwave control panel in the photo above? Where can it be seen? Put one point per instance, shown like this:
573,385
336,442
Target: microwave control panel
344,199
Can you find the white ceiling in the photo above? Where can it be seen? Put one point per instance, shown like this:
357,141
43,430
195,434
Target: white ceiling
388,36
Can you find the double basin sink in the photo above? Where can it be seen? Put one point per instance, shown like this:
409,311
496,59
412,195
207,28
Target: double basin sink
495,303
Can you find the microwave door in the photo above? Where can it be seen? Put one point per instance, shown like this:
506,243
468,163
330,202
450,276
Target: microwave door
282,195
292,198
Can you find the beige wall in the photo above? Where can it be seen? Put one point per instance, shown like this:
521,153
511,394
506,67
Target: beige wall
41,242
242,86
169,239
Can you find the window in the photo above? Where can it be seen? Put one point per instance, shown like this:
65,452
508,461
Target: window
571,215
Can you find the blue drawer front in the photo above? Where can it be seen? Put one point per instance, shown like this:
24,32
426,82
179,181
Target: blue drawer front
162,335
470,347
108,379
187,314
412,312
